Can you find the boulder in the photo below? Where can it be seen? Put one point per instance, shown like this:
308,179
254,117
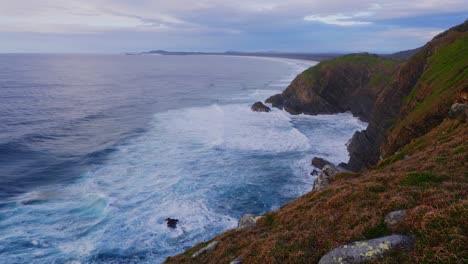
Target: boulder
368,250
210,247
260,107
171,222
457,110
325,177
320,163
247,221
394,218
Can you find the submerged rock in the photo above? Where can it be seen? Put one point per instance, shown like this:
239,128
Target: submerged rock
208,248
246,221
325,177
171,222
260,107
363,251
394,218
320,163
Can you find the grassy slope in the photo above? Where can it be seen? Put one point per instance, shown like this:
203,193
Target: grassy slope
427,176
381,65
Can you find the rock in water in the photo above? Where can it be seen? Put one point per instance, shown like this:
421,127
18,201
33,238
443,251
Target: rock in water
260,107
363,251
320,163
246,221
172,223
208,248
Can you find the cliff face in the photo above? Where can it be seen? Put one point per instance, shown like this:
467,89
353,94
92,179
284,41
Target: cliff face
349,83
359,83
442,81
383,92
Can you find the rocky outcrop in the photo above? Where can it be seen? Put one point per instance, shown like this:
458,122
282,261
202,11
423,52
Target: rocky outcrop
349,83
325,177
394,218
210,247
457,110
260,107
320,163
368,250
246,221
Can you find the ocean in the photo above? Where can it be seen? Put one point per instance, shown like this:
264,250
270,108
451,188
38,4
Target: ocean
96,151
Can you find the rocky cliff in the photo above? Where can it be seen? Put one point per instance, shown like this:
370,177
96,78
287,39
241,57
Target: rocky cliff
382,92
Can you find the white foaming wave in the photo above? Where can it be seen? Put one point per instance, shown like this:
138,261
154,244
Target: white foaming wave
301,181
234,127
333,133
261,94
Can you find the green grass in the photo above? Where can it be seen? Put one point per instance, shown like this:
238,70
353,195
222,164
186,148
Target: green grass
445,72
269,219
421,179
376,188
313,73
460,150
392,159
378,230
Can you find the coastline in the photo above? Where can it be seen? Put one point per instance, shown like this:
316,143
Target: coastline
406,201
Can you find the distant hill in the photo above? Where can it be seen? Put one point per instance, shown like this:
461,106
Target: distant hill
287,55
402,55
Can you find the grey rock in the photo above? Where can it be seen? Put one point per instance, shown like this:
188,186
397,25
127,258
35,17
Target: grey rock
210,247
260,107
394,218
320,163
457,110
325,177
362,251
237,260
247,221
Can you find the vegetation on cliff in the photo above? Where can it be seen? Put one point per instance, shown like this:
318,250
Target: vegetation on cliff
348,83
423,171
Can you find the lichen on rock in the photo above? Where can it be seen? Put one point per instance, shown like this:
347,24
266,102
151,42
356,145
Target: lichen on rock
362,251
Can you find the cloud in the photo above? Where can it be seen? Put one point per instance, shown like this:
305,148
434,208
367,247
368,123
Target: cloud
337,20
254,24
99,15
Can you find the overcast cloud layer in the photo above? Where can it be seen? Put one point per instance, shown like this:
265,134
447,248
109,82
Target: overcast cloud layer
214,25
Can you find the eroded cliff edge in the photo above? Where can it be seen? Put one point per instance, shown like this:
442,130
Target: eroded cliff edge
380,91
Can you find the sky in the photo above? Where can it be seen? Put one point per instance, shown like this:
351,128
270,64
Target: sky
114,26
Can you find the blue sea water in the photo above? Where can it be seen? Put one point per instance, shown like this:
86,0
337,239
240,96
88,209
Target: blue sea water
97,150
